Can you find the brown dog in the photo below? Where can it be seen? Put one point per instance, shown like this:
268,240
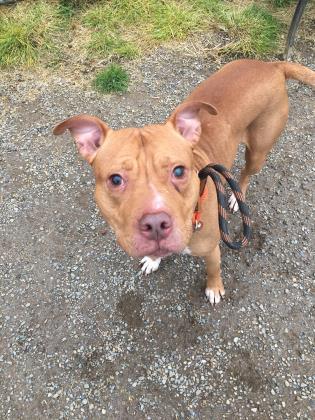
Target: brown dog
147,185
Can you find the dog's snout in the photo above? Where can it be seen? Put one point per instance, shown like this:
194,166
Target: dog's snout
155,226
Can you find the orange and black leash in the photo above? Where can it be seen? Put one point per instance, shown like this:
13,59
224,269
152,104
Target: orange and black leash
213,170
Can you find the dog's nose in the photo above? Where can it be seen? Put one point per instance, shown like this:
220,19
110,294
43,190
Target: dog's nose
156,225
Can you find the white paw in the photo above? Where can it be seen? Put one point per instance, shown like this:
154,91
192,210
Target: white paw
186,251
233,204
149,265
214,295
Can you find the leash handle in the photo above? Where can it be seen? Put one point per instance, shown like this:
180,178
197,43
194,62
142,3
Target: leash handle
213,171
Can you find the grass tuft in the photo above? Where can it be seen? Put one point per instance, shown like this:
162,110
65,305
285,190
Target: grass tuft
102,44
26,33
69,8
173,20
118,14
281,3
66,10
253,30
113,79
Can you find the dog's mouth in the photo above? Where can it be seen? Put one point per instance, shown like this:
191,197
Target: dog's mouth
156,249
161,252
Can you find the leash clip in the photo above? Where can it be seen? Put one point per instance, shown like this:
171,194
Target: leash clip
198,225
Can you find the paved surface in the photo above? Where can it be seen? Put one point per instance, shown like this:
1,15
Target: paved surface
85,335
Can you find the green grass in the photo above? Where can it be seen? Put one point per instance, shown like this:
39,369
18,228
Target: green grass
144,23
117,14
113,79
102,44
66,9
27,33
254,32
69,8
175,21
281,3
42,30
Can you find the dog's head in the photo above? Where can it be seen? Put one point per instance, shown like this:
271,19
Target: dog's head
146,183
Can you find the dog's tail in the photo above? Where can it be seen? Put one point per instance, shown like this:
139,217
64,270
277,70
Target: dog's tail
297,72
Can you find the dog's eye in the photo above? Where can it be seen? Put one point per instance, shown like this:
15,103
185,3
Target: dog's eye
179,171
116,180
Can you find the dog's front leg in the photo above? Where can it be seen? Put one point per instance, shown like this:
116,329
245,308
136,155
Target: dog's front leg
214,287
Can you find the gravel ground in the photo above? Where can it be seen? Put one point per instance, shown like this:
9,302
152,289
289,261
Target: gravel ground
85,335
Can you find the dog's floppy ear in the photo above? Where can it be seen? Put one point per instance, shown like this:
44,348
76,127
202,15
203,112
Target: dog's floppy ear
88,132
186,119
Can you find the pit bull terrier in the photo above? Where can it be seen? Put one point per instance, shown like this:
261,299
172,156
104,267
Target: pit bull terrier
147,182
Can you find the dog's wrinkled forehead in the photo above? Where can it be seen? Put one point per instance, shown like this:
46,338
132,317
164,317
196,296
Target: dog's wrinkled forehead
119,150
122,149
165,138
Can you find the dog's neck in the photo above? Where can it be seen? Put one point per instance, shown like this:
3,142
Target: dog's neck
200,159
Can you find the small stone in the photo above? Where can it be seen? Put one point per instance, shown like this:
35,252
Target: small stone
56,395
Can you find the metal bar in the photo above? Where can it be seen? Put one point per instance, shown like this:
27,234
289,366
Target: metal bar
294,26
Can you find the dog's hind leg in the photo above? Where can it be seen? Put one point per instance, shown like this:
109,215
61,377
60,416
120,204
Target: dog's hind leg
261,136
254,163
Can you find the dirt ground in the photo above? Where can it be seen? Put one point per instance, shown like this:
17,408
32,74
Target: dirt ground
84,334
